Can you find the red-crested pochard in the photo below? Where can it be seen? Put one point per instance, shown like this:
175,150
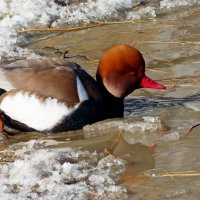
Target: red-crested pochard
55,95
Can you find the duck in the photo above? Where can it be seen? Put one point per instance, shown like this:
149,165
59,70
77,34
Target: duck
51,95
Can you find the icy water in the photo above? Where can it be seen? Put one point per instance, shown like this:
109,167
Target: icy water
146,155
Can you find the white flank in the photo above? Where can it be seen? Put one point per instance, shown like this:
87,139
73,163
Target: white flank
4,83
30,110
82,94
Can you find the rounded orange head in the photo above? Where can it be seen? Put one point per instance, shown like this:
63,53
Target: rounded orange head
122,70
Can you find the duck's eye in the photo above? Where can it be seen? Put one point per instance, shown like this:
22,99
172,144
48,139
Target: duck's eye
132,73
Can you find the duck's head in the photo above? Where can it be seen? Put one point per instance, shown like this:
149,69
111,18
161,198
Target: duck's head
122,70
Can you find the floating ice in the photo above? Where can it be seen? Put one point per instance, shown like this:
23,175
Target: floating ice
144,131
40,173
149,124
171,136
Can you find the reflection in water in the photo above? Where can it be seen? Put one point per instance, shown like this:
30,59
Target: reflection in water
135,106
138,158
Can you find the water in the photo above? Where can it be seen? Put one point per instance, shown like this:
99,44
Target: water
78,164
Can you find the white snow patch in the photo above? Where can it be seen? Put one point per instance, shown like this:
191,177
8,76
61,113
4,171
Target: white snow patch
147,12
42,173
21,14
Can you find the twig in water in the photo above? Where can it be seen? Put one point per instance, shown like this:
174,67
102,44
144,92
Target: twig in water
98,23
189,132
179,174
111,149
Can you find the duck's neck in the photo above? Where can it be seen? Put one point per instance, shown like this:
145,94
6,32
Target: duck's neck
114,105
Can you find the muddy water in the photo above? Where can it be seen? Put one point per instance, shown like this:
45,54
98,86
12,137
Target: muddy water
157,146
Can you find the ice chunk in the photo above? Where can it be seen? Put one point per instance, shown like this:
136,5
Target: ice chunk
39,172
149,124
171,136
147,12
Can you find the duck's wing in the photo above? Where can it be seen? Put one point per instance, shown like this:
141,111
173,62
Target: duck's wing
60,79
